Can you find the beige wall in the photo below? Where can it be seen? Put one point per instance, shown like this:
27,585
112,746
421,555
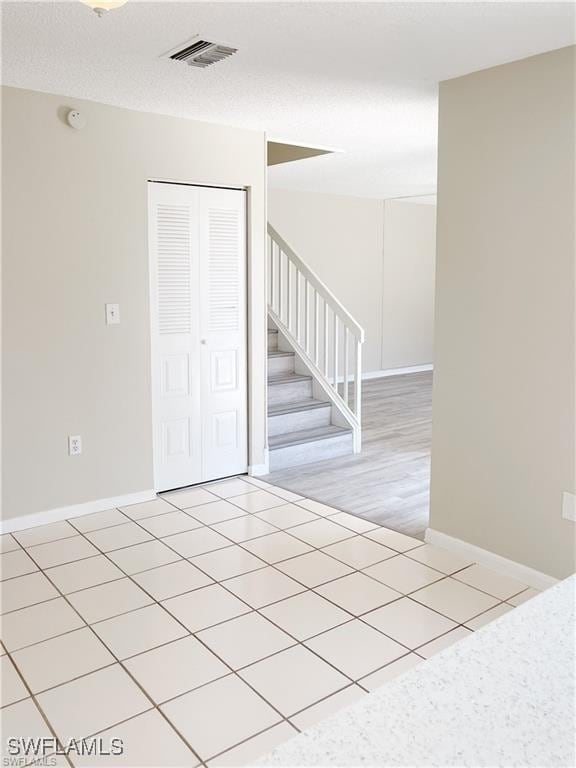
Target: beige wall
504,383
74,238
408,284
343,240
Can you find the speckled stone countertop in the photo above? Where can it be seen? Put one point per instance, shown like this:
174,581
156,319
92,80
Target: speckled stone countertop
502,697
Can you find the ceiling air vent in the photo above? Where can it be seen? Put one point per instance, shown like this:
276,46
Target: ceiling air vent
201,53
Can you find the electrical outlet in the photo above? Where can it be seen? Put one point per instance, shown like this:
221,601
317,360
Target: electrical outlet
569,506
74,445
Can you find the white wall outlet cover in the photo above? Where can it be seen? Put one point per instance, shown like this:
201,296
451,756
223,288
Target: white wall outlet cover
76,119
74,445
112,314
569,506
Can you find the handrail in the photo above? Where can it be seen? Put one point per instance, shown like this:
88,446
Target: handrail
321,287
318,327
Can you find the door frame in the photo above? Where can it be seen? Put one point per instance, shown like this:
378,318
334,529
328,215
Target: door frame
248,296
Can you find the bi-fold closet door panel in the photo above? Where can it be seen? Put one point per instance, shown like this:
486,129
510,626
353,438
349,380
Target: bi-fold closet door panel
198,312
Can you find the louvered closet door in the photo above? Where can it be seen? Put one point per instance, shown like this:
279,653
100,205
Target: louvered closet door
223,331
198,308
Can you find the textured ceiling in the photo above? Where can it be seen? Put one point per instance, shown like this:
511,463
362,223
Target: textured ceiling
358,77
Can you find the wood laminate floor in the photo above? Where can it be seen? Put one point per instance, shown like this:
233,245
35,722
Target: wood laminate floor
389,482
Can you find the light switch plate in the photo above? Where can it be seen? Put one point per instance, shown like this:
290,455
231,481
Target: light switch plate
112,314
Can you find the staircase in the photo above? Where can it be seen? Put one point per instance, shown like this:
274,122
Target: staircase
314,364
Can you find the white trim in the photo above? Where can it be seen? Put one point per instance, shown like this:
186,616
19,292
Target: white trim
256,470
497,563
75,510
397,371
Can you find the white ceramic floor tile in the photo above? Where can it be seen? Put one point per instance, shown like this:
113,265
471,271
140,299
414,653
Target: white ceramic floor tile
244,528
244,640
148,742
15,563
138,631
357,593
109,539
276,547
38,622
197,542
294,679
314,568
108,696
24,721
216,512
191,498
485,618
62,551
8,543
398,541
11,686
284,494
25,590
262,587
528,594
107,600
44,533
142,557
389,672
171,580
258,746
147,509
228,562
205,607
227,488
257,482
403,574
287,516
257,501
359,552
327,707
176,668
321,533
409,623
456,600
61,659
438,558
84,573
353,522
319,509
98,520
491,582
169,524
445,641
305,615
219,715
355,648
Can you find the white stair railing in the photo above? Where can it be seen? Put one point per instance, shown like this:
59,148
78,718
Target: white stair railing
324,334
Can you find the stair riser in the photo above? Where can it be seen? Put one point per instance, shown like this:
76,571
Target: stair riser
291,392
307,453
280,365
272,342
293,422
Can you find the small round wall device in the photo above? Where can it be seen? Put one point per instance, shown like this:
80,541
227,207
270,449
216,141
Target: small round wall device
76,119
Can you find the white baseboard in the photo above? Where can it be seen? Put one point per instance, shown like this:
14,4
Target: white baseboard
255,470
495,562
75,510
397,371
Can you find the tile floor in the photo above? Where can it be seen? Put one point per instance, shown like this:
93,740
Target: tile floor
209,625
